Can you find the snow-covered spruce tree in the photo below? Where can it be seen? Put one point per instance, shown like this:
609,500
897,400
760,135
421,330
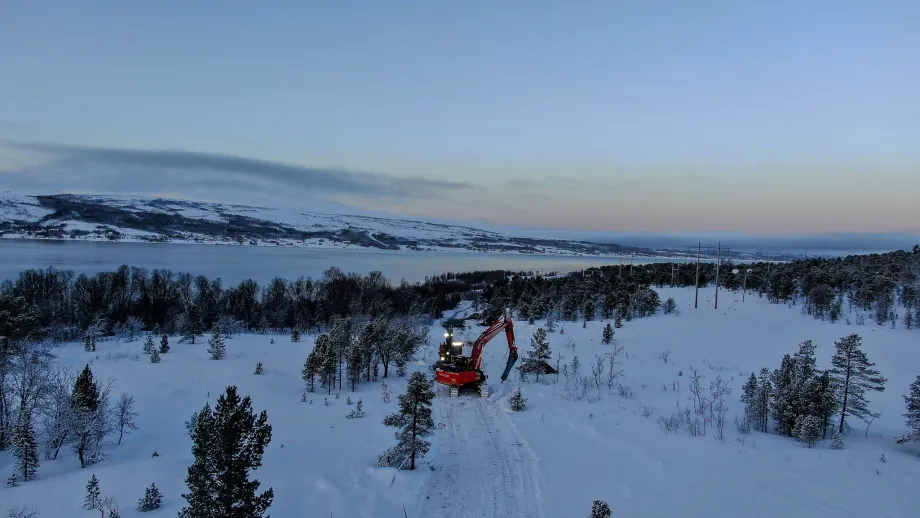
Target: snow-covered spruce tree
259,369
808,429
853,374
763,398
164,344
782,405
12,481
92,499
295,334
600,509
87,421
125,416
149,346
539,350
310,369
749,398
551,322
837,442
25,449
358,411
155,356
517,401
216,347
414,422
607,337
152,499
618,320
912,401
228,443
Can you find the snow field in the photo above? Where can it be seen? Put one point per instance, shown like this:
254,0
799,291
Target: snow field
550,460
608,450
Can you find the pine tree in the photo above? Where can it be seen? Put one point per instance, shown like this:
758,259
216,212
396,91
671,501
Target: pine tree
413,420
517,401
152,500
228,444
310,370
25,449
808,429
912,401
88,343
87,423
551,323
295,334
149,345
193,326
154,356
749,398
258,368
12,481
608,334
328,365
216,347
764,396
540,351
164,344
853,375
92,499
618,320
837,442
783,404
86,391
355,365
600,509
908,319
358,411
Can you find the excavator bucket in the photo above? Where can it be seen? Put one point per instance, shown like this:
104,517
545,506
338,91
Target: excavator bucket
512,357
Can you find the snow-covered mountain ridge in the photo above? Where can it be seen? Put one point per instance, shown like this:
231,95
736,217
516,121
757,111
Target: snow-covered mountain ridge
135,218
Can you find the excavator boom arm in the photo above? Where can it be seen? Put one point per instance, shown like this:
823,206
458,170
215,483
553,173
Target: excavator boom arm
504,323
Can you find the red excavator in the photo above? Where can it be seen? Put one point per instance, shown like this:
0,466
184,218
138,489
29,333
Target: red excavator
458,371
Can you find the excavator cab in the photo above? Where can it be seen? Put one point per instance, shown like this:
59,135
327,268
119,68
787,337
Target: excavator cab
449,349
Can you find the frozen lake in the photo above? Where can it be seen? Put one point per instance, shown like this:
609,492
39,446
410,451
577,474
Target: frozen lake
233,263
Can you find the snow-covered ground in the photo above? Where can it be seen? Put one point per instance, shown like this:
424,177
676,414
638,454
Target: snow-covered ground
551,460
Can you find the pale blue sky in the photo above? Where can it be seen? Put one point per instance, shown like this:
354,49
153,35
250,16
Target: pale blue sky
646,115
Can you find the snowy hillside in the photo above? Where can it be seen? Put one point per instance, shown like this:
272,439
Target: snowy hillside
319,225
573,443
68,216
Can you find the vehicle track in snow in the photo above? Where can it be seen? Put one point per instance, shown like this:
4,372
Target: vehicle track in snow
482,467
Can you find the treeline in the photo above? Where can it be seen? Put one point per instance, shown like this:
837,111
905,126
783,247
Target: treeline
61,306
885,287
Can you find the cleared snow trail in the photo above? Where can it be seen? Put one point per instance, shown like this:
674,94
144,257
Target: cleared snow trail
482,467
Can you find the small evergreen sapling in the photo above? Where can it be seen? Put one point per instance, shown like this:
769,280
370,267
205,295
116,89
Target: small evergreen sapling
517,401
348,400
149,345
295,334
358,411
12,481
154,356
608,334
259,369
152,499
164,344
808,429
385,392
216,347
600,509
669,306
837,442
92,499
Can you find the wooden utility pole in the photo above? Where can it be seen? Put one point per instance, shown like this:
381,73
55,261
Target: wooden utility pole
718,262
696,300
